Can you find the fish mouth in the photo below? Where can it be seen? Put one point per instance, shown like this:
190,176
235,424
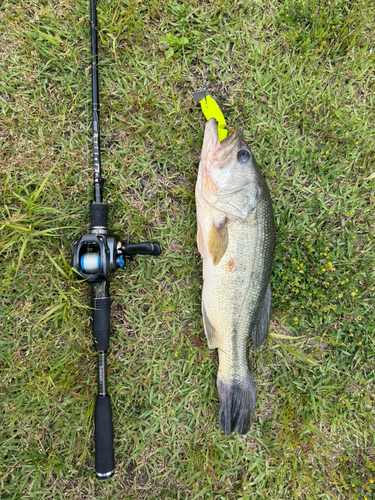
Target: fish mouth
234,137
211,141
220,151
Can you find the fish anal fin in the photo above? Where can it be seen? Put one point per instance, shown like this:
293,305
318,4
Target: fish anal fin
260,329
218,241
213,339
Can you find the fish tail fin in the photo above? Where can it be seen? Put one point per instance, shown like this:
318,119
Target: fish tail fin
237,403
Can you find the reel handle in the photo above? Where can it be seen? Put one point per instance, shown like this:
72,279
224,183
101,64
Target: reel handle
145,248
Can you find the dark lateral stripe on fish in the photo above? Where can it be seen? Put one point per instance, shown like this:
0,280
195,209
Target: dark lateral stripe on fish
237,403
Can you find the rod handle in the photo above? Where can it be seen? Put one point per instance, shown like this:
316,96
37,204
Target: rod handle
101,310
103,435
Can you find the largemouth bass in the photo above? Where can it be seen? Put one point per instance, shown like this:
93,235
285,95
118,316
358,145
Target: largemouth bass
236,239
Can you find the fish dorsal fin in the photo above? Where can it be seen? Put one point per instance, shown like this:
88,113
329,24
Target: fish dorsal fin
260,329
218,240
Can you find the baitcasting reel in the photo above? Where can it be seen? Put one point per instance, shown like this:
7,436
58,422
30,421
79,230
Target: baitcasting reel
97,255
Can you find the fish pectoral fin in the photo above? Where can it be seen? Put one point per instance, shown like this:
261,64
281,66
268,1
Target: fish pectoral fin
260,329
218,240
212,336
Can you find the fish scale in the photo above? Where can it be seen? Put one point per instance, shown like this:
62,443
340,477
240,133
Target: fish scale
236,239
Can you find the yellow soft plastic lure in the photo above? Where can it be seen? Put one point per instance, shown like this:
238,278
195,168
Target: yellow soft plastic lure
211,109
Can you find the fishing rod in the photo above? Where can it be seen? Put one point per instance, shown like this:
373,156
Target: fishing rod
96,256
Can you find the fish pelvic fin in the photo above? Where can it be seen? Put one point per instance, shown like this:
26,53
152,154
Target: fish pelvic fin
212,336
260,329
237,403
200,241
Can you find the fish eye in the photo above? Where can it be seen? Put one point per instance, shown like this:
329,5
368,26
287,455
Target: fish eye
243,155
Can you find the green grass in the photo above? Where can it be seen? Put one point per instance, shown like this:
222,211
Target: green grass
308,114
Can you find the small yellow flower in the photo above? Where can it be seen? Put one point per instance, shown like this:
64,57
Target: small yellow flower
330,264
304,125
287,15
357,142
355,121
359,343
352,485
326,152
371,481
214,75
329,213
324,334
356,290
323,270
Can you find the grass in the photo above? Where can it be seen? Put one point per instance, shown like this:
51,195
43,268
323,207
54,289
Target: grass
298,77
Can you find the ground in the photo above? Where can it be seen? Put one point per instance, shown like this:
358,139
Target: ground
298,77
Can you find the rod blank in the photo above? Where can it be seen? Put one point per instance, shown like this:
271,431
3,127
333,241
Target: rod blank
98,184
